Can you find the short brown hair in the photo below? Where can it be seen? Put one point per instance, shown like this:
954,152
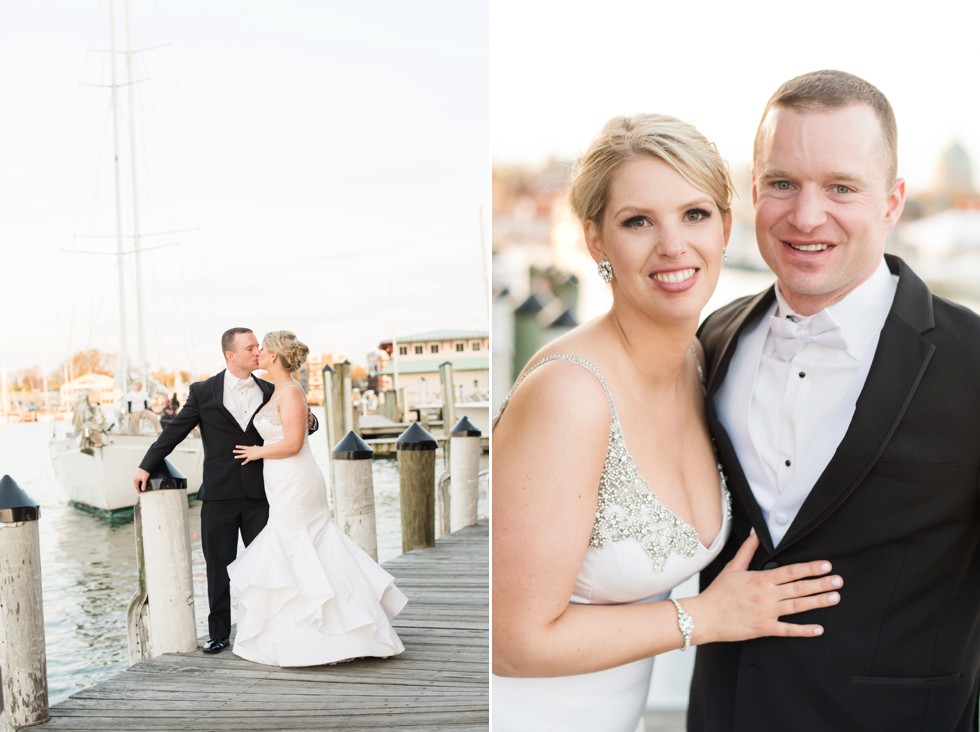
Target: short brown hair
823,91
228,338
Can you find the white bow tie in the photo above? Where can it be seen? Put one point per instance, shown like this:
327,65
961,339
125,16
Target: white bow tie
790,337
245,384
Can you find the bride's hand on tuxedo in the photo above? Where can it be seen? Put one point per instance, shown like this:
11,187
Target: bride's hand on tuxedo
247,453
741,604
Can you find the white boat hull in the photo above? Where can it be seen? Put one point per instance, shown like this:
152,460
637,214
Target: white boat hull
103,480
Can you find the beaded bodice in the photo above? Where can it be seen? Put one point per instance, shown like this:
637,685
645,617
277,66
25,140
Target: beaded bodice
627,507
270,411
268,420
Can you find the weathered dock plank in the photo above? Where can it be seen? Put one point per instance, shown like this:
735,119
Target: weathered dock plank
440,682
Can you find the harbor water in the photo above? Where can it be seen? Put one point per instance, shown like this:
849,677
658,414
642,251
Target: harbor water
88,565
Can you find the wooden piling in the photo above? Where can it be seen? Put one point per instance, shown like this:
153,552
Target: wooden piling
448,399
338,406
24,683
161,614
464,474
527,337
329,430
393,406
351,417
439,684
416,479
335,415
354,509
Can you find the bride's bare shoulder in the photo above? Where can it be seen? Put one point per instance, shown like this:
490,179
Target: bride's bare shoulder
291,396
296,391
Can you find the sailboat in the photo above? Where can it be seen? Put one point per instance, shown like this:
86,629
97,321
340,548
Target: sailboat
95,465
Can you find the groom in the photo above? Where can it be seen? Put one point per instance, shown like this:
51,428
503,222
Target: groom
855,439
232,495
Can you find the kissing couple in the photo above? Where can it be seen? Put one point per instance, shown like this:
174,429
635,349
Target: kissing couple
308,595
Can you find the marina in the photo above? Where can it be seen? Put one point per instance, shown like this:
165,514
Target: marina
382,433
438,682
89,569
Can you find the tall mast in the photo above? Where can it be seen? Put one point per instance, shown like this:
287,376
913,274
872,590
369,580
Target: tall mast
136,207
394,340
122,372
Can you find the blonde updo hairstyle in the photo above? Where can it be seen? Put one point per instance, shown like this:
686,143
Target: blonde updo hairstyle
677,143
291,351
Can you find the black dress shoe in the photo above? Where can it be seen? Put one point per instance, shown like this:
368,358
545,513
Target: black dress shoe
215,646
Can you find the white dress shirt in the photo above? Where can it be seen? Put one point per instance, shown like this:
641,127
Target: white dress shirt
241,397
787,418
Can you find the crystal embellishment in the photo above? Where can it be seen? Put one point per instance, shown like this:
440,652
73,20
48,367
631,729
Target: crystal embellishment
627,508
270,412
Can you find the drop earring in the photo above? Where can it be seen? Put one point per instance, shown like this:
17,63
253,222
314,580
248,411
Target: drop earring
604,267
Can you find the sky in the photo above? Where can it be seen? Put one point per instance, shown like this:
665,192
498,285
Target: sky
560,70
320,167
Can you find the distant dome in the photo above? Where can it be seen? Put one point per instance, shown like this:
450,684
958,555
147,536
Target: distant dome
956,170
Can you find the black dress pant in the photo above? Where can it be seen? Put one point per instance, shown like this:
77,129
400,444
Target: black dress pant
221,522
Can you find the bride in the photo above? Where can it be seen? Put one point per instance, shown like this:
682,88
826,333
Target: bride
308,595
606,490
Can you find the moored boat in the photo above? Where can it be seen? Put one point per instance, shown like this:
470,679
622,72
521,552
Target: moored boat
95,464
99,477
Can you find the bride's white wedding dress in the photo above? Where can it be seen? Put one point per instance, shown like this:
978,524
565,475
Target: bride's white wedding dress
307,594
638,552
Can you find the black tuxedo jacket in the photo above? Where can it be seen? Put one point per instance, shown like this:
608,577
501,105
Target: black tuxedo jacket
897,513
224,476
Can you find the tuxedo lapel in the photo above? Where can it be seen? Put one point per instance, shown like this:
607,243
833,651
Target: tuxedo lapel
899,364
723,343
218,394
737,482
267,389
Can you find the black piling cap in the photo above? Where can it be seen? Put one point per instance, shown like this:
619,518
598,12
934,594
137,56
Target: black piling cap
15,504
166,478
565,320
531,306
465,428
415,438
352,447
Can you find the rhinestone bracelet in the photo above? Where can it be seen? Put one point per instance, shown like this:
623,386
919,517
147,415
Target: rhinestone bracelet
685,622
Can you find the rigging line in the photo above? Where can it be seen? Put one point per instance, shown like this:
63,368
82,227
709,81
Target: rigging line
118,85
138,50
176,335
130,236
172,290
62,306
116,254
156,137
100,155
97,313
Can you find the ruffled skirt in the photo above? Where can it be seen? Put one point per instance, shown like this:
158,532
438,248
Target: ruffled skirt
307,594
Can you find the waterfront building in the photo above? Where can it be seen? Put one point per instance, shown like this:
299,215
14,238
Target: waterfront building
101,388
413,362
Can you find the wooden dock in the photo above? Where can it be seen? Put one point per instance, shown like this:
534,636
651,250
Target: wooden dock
382,434
440,682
